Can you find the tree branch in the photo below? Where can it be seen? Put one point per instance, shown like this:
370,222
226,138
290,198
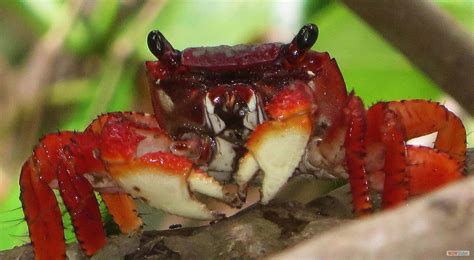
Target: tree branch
429,38
426,229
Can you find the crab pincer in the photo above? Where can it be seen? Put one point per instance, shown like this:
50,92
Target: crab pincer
276,146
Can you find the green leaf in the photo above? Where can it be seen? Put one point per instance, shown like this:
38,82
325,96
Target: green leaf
12,224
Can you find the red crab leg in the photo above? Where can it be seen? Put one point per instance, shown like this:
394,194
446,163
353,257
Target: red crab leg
123,210
395,183
42,214
40,207
422,117
384,127
355,153
429,169
45,169
410,169
78,196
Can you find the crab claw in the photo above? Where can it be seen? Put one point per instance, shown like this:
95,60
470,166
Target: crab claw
166,181
140,160
276,146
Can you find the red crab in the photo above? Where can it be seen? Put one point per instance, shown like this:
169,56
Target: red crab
270,108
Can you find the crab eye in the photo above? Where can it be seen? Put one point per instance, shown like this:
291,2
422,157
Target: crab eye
156,43
307,36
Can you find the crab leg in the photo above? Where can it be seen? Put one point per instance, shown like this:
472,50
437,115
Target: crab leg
408,169
355,153
40,207
42,214
395,184
384,126
422,117
429,169
123,210
46,170
80,201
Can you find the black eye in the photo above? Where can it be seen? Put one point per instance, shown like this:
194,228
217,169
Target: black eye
307,36
156,43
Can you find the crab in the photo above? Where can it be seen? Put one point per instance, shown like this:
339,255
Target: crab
223,115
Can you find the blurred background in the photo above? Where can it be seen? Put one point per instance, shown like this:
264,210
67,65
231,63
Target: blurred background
62,63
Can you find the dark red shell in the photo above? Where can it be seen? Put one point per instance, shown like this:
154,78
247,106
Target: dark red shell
230,57
229,73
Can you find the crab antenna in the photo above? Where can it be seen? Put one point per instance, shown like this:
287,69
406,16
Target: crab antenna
161,48
303,41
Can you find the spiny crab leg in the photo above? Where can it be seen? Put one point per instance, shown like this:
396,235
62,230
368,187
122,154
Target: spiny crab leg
355,150
123,210
81,203
42,214
411,170
53,165
421,117
276,146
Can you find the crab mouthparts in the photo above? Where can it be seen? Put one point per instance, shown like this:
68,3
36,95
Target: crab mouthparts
238,108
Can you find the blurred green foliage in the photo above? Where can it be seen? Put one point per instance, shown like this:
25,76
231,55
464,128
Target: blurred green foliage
369,64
